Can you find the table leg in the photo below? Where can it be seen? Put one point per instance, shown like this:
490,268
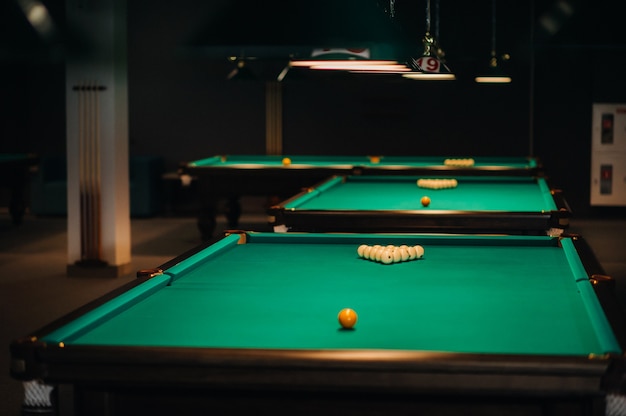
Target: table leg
207,222
207,218
233,211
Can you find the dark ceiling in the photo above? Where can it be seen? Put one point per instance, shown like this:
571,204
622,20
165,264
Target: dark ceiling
464,27
281,26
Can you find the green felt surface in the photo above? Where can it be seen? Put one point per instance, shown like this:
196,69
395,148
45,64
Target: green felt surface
402,193
256,161
517,295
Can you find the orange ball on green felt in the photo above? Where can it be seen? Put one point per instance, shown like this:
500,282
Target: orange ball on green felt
347,318
425,201
286,161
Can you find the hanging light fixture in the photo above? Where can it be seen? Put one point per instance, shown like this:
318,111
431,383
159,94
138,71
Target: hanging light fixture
289,33
347,59
431,64
369,55
494,73
441,55
373,59
240,70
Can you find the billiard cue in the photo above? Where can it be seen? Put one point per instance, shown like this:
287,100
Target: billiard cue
88,172
89,169
82,133
92,178
96,242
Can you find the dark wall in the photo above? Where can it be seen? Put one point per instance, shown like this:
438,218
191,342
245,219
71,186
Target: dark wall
405,117
182,108
563,111
187,100
32,108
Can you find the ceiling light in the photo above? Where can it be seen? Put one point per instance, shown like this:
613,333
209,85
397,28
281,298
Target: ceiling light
240,71
494,73
346,59
430,65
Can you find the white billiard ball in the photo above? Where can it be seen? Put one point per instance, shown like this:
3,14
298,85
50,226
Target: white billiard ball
386,257
379,253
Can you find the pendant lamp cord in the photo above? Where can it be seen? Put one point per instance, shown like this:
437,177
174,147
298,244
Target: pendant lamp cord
493,28
428,17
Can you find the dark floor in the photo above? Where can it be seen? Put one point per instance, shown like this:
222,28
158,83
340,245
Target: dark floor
34,288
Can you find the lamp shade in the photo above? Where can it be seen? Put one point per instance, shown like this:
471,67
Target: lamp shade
494,74
240,72
374,59
429,66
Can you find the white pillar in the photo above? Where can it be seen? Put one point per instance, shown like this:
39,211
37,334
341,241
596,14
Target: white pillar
97,121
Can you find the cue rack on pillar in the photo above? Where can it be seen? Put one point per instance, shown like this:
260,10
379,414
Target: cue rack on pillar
89,172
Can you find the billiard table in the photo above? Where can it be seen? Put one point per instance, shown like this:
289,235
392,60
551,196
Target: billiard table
15,171
477,204
500,324
233,176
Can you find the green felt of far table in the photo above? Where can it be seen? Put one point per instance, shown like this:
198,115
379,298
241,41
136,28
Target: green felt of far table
232,176
478,204
400,163
514,194
501,295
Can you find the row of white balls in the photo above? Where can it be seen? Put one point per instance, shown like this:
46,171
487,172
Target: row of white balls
437,183
390,254
459,162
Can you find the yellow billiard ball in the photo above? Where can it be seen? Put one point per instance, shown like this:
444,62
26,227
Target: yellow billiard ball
375,159
425,201
347,318
286,161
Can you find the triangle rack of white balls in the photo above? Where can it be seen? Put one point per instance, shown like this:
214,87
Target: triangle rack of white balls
390,254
